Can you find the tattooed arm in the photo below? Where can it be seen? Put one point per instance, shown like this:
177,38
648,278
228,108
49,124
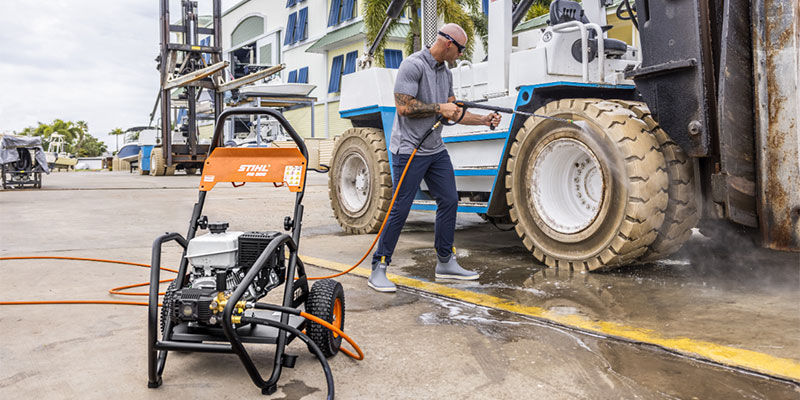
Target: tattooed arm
410,107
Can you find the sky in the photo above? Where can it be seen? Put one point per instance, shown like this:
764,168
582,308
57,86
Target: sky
90,60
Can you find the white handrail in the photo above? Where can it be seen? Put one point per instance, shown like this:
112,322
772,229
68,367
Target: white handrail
601,50
472,78
571,26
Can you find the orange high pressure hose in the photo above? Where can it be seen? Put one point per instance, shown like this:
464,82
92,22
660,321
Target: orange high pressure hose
119,290
383,224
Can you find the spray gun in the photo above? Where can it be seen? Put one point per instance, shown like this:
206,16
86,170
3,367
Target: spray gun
471,104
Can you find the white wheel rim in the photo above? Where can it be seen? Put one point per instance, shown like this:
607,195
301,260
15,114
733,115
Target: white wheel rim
354,183
152,162
567,186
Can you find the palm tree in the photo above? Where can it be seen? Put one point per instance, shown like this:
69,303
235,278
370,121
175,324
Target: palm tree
449,10
116,132
82,128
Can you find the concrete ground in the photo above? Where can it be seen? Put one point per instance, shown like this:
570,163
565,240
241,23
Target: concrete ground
419,343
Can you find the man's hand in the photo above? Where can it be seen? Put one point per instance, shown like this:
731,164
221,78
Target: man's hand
450,111
491,120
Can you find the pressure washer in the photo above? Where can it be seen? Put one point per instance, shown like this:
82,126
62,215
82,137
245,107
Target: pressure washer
212,305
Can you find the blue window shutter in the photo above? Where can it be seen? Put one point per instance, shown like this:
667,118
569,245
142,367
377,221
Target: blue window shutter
333,16
347,11
302,20
336,74
290,29
350,64
293,76
392,58
486,7
302,76
290,3
206,42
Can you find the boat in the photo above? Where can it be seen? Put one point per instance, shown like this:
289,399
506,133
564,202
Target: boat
56,156
129,152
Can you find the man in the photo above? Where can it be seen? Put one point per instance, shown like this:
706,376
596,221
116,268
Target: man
424,90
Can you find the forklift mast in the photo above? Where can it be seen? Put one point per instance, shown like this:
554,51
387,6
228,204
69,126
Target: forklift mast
720,76
182,65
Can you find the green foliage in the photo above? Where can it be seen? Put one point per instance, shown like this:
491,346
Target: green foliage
375,13
537,9
90,146
76,139
449,10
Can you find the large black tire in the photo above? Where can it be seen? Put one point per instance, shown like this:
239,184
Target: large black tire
190,171
360,180
682,212
603,224
326,301
157,162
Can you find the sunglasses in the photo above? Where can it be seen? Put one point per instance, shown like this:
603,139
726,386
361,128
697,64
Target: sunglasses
459,46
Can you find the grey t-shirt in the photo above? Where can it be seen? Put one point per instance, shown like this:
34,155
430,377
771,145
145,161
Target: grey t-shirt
423,78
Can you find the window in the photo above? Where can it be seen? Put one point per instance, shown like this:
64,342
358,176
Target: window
300,32
336,74
341,10
302,75
265,54
249,28
350,64
296,27
392,58
347,10
290,28
298,76
290,3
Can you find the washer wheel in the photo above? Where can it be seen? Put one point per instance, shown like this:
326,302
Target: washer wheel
588,195
326,301
360,180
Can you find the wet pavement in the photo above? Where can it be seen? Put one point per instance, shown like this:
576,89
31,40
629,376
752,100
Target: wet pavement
418,345
738,295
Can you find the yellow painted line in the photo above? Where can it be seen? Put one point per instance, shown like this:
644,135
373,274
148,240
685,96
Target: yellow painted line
725,355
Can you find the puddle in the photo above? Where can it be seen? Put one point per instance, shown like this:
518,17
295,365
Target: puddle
608,367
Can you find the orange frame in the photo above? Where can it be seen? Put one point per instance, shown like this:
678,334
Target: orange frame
285,166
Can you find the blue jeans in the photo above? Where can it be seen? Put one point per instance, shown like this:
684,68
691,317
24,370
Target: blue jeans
437,170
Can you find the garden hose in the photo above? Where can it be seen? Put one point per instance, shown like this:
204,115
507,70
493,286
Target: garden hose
118,291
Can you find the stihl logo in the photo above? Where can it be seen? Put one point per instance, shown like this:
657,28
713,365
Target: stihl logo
253,168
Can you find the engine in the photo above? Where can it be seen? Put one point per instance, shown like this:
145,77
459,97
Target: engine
219,261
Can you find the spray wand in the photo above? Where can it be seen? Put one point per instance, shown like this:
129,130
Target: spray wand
472,104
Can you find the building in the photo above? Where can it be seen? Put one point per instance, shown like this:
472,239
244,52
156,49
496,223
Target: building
318,40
